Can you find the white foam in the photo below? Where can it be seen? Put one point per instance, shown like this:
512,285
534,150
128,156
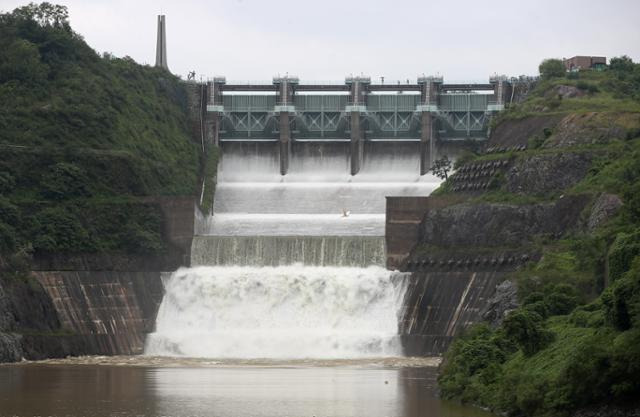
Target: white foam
278,312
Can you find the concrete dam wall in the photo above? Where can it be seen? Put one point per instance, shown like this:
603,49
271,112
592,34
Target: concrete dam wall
359,251
456,254
438,305
111,311
109,303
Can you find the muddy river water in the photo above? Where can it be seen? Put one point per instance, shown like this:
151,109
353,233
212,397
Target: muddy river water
135,386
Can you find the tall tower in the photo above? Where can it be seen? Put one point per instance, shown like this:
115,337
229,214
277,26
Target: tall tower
161,45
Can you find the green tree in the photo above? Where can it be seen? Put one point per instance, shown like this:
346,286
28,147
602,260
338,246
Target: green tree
441,167
552,68
45,14
58,230
20,60
65,180
621,64
525,328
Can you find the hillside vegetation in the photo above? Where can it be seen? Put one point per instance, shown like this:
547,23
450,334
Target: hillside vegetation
574,342
82,137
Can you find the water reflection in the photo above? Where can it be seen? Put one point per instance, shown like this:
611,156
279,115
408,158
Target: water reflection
74,390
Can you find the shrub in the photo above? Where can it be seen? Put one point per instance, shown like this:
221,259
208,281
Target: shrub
58,230
7,238
561,299
472,363
622,64
7,183
585,374
525,328
9,213
622,299
622,252
65,180
588,87
552,68
625,365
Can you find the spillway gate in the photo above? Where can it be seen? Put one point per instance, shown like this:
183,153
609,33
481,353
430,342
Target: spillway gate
427,112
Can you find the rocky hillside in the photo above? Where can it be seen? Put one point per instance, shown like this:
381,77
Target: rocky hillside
91,147
559,179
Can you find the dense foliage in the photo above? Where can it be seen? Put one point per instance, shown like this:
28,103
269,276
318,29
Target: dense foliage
550,68
575,339
81,138
615,89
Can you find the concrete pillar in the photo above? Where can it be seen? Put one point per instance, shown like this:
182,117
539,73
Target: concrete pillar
161,44
356,108
501,91
426,142
215,109
357,143
430,94
284,143
213,128
285,109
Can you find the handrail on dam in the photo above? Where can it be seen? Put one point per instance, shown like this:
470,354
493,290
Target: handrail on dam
427,110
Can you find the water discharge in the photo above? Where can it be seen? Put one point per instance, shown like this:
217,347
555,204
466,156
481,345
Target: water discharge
291,267
278,312
286,250
313,198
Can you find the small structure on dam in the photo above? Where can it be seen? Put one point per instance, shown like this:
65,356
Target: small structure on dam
425,113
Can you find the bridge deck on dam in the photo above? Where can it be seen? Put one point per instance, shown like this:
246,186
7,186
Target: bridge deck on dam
323,112
427,112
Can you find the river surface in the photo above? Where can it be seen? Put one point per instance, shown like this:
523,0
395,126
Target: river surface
130,386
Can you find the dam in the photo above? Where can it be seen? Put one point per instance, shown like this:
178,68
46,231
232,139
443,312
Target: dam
291,263
292,266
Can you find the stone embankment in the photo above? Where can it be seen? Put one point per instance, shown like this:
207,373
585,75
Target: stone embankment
460,249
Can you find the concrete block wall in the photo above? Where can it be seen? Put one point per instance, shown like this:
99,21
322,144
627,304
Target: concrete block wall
110,301
110,310
403,218
439,304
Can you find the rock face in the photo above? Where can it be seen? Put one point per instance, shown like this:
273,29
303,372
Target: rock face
10,348
518,132
29,326
609,411
605,207
503,301
591,128
541,174
566,91
492,225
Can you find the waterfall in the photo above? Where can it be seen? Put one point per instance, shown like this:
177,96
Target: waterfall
279,312
286,250
291,266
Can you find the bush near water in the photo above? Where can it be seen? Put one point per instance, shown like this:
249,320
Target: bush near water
574,342
82,138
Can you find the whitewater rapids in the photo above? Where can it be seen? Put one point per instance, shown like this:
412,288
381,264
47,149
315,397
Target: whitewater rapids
284,312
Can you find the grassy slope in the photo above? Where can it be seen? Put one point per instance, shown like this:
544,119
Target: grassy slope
80,137
575,341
